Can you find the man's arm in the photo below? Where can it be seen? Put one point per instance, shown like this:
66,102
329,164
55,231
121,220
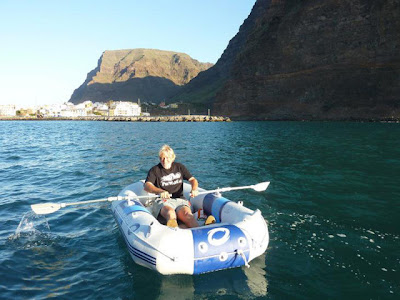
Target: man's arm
195,184
151,188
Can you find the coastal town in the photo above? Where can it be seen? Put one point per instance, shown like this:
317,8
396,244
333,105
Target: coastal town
110,111
70,110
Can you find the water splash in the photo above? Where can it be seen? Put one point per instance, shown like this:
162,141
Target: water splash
33,223
33,230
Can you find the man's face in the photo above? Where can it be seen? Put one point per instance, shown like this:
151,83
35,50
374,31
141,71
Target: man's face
166,161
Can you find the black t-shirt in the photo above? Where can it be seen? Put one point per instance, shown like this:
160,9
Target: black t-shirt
170,180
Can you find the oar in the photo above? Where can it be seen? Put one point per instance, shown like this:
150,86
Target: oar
259,187
48,208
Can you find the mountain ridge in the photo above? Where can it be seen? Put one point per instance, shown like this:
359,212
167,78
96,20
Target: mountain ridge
149,74
290,60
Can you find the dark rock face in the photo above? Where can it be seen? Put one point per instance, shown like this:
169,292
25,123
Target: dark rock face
151,75
332,59
204,87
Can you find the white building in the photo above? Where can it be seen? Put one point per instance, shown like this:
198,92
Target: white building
88,104
100,108
8,110
53,110
70,110
126,109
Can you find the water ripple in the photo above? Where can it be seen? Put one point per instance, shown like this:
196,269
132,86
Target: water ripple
331,207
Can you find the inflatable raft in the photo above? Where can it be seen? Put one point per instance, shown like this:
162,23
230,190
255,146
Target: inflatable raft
238,236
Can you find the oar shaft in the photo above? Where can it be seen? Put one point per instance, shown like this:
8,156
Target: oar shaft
48,208
238,188
101,200
259,187
86,202
227,189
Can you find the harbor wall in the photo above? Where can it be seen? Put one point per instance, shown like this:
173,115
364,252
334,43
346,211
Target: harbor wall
180,118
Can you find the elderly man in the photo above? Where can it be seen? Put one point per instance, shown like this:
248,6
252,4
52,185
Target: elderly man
167,178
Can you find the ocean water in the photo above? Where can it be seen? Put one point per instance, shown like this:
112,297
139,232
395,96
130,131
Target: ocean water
333,207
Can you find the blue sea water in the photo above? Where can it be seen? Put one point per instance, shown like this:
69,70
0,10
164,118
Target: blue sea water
332,207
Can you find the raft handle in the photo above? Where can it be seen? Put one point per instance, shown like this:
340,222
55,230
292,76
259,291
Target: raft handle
149,229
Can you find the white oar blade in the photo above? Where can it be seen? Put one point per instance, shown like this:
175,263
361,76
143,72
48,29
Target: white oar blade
45,208
261,186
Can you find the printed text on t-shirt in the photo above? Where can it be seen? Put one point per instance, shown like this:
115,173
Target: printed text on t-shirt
171,179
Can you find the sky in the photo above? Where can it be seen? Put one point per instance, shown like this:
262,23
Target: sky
48,47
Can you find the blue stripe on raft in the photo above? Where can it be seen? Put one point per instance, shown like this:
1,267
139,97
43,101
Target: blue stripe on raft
207,203
144,254
137,253
140,254
217,208
134,208
212,205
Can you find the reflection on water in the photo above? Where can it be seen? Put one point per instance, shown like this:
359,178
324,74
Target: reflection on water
247,282
171,284
257,277
236,283
49,266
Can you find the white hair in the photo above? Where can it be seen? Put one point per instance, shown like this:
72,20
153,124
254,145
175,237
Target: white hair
167,151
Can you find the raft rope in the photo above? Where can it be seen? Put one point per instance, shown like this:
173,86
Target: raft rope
241,253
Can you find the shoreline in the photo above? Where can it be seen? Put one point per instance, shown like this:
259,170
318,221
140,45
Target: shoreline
180,118
192,118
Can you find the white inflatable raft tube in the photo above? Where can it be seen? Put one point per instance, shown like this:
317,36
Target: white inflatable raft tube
238,236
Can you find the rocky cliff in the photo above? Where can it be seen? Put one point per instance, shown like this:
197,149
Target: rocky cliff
151,75
204,87
332,59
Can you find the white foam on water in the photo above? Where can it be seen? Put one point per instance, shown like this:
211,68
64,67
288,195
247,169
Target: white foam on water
362,245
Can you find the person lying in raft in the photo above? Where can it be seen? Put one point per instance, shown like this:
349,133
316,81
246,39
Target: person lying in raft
167,178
